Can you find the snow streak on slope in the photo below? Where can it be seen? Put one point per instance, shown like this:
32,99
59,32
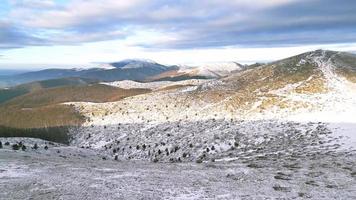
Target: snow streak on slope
338,104
128,84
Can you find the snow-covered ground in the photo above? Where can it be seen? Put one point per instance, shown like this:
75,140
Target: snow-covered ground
128,84
272,160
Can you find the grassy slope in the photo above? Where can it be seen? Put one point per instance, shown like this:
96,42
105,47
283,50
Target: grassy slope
43,108
245,88
346,65
8,94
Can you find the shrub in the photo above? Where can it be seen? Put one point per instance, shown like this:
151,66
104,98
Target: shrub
184,155
0,145
116,157
46,147
138,147
191,145
7,143
15,147
212,148
155,160
159,151
35,147
23,147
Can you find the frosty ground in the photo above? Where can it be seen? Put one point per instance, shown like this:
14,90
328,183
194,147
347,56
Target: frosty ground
272,160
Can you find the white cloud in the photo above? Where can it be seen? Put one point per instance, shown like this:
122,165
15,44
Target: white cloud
77,12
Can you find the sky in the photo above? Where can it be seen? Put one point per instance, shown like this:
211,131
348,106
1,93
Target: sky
82,33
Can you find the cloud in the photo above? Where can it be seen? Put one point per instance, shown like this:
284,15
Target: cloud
13,37
182,24
36,4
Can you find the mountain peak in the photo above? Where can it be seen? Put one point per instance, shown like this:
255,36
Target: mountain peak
138,63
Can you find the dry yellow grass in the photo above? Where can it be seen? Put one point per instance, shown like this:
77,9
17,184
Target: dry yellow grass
43,108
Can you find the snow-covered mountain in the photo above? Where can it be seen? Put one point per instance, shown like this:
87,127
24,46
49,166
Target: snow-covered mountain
306,100
215,70
307,83
199,71
309,89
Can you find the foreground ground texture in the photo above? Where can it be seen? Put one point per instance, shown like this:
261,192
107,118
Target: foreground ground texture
288,161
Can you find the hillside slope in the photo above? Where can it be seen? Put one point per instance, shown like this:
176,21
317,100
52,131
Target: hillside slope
308,82
301,101
44,108
12,92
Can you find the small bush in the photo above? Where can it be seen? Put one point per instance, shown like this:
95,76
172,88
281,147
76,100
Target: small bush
23,147
15,147
7,143
35,147
46,147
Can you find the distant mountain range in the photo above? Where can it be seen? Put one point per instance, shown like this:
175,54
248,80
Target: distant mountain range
131,69
124,70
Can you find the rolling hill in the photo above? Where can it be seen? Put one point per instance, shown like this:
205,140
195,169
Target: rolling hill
43,107
127,69
307,94
12,92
